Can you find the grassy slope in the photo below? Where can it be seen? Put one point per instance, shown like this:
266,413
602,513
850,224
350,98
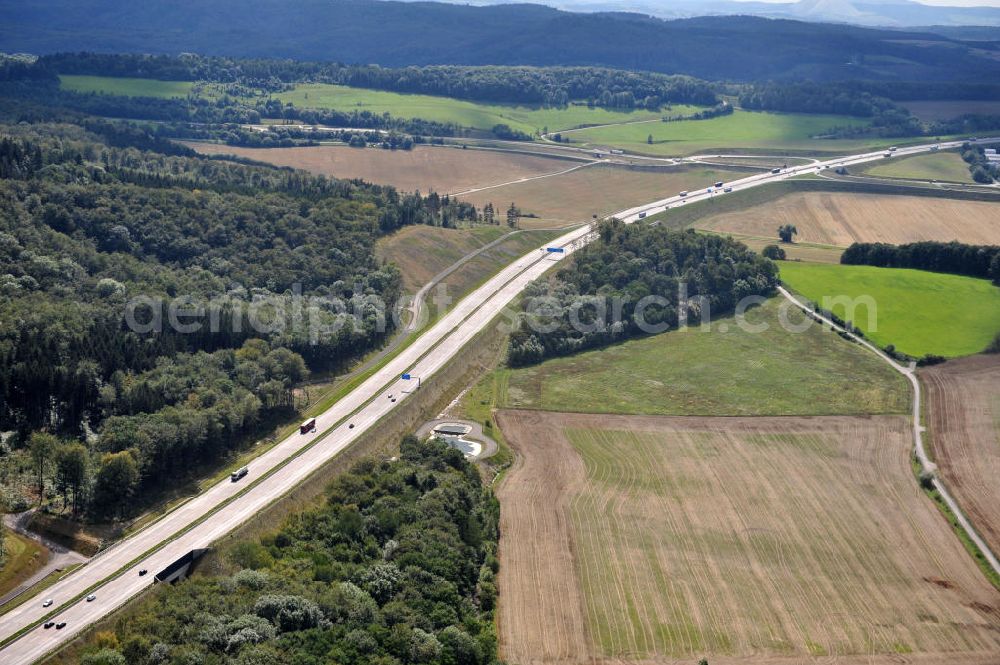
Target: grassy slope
131,87
742,129
716,373
918,312
737,542
22,559
466,113
946,166
421,252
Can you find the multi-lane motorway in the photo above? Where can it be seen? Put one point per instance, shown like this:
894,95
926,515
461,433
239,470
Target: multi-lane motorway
113,576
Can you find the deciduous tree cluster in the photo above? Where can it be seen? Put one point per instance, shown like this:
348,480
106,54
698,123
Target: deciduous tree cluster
597,299
397,566
90,223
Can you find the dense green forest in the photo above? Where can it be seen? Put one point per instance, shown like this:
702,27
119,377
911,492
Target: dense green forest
397,566
952,257
101,243
400,34
577,310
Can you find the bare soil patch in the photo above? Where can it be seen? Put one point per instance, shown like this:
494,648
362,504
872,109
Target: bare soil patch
648,539
841,219
963,401
425,168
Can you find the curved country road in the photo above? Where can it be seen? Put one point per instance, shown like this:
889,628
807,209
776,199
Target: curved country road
926,465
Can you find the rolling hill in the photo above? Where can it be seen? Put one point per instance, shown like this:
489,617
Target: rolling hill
400,33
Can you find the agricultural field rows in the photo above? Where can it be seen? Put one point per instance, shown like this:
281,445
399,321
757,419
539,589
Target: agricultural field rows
653,539
963,410
838,218
425,168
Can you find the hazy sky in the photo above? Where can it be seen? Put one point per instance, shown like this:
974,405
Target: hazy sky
940,3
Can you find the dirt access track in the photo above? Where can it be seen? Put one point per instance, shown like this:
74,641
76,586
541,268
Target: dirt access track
963,411
644,539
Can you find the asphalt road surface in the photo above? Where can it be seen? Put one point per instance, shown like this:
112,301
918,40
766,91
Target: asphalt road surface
113,575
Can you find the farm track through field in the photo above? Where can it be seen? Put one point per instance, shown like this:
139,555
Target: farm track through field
751,540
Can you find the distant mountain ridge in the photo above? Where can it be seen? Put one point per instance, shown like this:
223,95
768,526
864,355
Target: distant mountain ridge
875,13
390,33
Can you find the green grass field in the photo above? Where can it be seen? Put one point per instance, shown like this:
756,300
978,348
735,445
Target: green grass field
918,312
727,371
947,166
468,114
741,130
130,87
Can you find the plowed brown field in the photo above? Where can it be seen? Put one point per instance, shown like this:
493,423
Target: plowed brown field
425,168
841,219
746,540
963,398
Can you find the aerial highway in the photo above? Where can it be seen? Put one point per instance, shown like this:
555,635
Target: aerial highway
113,575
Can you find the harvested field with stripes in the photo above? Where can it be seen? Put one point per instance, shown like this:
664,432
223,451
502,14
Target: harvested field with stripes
425,168
841,219
963,401
744,540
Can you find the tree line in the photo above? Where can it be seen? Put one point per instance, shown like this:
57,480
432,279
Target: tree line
550,86
865,100
957,258
396,565
692,275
